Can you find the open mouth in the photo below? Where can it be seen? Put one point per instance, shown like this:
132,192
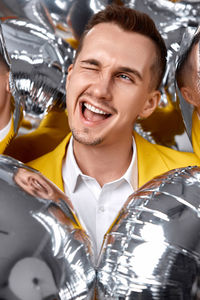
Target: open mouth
92,113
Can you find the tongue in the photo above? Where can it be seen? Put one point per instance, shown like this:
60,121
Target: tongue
91,116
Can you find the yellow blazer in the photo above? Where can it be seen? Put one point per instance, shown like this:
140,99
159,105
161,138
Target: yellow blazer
196,133
51,131
11,134
153,160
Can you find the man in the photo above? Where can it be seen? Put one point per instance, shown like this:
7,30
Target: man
114,80
188,78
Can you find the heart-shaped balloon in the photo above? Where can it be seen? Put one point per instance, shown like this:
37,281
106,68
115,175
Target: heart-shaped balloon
39,63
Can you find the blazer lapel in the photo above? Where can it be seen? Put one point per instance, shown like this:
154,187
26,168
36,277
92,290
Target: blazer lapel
50,165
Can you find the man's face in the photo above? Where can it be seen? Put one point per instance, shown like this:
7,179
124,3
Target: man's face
108,87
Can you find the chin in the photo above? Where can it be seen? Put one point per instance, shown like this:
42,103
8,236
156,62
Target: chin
84,139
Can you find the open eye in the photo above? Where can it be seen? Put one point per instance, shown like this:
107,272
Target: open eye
125,77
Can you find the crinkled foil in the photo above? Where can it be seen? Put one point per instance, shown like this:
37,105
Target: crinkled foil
33,10
153,249
44,252
58,10
39,65
79,12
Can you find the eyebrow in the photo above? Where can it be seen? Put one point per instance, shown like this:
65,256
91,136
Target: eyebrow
120,68
91,61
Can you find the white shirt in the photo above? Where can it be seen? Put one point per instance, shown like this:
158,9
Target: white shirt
97,207
5,130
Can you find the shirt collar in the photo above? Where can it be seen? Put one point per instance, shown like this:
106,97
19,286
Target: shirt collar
72,173
131,174
70,170
5,130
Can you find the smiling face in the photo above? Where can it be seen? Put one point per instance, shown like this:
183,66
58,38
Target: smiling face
108,87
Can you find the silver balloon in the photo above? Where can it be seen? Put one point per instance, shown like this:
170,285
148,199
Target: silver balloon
33,10
58,10
170,18
77,11
44,253
81,11
153,249
39,65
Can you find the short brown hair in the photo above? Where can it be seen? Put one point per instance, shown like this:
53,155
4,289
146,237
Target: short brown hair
135,21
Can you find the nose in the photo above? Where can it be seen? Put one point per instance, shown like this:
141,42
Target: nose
101,88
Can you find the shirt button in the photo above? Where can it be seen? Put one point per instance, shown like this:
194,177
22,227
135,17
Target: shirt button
101,209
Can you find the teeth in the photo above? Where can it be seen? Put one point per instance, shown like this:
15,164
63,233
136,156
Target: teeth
94,109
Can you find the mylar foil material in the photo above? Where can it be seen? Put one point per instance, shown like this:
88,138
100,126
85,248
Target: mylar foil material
58,10
33,10
44,253
153,249
75,14
39,65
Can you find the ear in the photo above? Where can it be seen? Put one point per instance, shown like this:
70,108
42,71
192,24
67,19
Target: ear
150,104
69,74
188,95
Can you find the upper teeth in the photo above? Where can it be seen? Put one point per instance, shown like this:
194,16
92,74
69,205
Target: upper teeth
94,109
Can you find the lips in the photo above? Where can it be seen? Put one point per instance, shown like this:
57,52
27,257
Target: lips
93,114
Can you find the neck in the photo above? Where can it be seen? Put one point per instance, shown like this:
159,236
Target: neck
105,163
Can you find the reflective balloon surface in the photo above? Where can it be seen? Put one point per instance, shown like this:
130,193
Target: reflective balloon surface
39,65
44,253
58,10
81,8
80,12
33,10
153,249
